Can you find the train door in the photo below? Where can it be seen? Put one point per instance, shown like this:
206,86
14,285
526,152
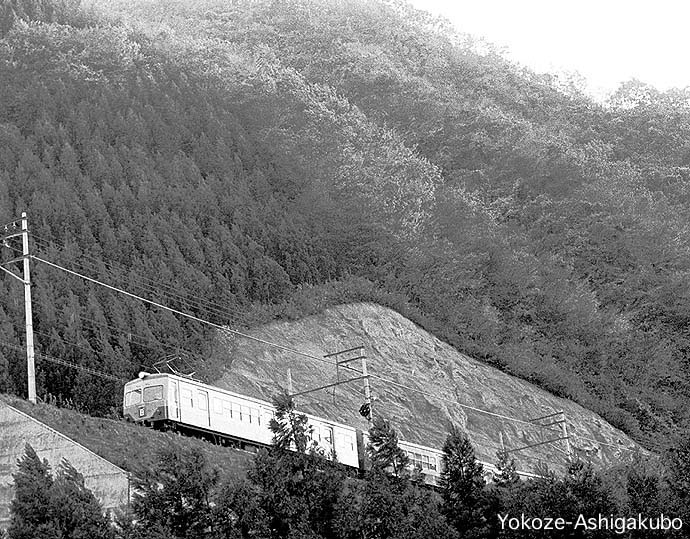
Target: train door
174,412
204,407
327,440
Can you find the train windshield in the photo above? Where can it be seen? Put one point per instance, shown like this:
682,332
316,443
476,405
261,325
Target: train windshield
153,393
133,397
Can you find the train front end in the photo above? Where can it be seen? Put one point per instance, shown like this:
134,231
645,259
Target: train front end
145,399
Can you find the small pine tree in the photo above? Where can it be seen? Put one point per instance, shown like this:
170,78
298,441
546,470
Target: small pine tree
462,485
678,464
505,464
29,509
175,497
383,449
644,496
297,490
238,512
290,429
54,508
76,510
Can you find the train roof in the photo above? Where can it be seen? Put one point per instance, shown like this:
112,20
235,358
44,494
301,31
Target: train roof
149,376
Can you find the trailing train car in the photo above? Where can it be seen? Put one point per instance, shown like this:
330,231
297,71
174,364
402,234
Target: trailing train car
166,400
429,462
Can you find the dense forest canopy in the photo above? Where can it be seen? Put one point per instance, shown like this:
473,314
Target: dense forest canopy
257,159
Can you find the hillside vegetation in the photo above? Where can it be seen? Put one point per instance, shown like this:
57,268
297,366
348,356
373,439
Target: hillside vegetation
266,159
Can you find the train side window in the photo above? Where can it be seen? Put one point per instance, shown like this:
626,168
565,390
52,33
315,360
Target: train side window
328,435
432,463
153,393
227,409
349,441
186,397
133,397
203,401
244,413
254,412
217,406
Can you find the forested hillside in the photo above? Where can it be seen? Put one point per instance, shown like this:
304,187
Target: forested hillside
258,159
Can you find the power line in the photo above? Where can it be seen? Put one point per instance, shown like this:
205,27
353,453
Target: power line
181,313
304,354
157,288
275,345
140,339
65,363
212,307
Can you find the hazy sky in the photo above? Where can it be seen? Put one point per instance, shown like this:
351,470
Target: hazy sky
606,41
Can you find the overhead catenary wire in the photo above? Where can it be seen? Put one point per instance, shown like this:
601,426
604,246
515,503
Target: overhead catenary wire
181,313
156,286
305,354
159,289
275,345
65,363
140,340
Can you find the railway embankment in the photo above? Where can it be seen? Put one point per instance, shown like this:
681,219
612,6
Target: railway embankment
109,483
107,452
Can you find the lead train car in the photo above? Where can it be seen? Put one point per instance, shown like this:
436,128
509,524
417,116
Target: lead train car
168,400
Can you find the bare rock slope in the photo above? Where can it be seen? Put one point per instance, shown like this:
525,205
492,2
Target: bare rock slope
437,386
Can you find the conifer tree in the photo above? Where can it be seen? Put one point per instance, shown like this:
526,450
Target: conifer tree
383,449
238,512
678,459
505,464
30,507
462,485
290,428
76,511
54,508
298,490
176,496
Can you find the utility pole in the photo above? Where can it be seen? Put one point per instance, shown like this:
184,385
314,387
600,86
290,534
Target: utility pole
289,381
30,366
342,359
10,232
568,449
349,355
556,418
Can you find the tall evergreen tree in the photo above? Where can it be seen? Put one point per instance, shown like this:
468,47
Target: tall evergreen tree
298,486
383,449
30,515
176,496
54,508
462,485
505,464
678,463
77,513
290,428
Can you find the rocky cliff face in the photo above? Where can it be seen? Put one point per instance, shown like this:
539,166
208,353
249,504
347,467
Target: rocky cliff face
441,386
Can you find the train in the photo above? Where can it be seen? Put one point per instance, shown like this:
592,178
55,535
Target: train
170,401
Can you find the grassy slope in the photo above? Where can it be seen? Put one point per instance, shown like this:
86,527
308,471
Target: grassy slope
127,445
